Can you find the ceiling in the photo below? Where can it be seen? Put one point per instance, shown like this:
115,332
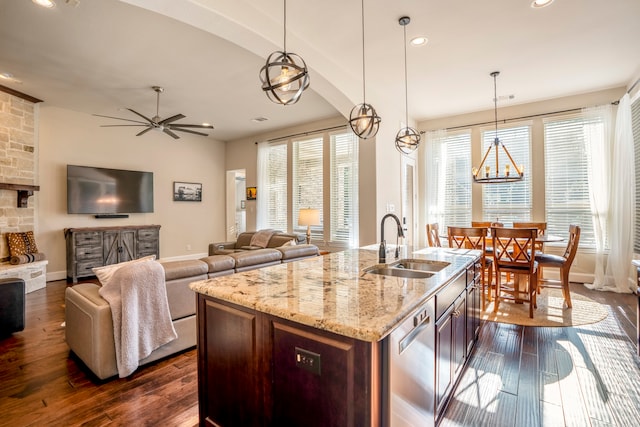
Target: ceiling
100,56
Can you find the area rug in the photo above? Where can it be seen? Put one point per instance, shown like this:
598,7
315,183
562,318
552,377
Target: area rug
550,311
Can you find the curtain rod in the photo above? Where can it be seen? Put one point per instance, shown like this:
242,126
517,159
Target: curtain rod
531,116
633,85
306,133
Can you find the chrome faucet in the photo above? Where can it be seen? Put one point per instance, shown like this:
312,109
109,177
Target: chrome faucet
382,252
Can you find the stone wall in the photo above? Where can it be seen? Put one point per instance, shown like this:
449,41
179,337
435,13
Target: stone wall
18,164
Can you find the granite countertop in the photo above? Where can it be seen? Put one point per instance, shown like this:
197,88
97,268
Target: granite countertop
332,292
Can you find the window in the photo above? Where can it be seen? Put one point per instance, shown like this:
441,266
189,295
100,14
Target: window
635,124
344,188
567,170
508,202
272,172
307,182
449,182
330,159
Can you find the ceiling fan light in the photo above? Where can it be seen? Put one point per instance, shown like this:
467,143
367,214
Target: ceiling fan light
364,120
538,4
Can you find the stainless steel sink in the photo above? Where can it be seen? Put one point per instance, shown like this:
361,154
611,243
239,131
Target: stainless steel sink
420,264
409,268
398,272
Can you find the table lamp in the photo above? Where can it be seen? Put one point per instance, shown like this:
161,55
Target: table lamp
308,217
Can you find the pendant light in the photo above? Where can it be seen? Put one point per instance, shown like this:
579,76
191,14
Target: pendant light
407,138
364,120
284,77
486,176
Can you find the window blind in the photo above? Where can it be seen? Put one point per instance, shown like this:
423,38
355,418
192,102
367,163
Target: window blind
567,171
275,187
307,182
344,189
635,125
508,202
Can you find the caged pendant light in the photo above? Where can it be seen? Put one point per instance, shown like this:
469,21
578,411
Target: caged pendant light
407,138
485,176
364,120
285,76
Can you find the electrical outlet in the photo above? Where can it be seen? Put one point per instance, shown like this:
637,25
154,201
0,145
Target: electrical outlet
391,207
308,360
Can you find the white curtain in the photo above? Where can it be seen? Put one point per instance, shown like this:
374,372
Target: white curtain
263,179
613,202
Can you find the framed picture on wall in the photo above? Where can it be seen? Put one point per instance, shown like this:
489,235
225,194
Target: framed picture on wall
187,191
252,193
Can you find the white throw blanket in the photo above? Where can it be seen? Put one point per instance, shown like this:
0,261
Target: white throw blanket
140,312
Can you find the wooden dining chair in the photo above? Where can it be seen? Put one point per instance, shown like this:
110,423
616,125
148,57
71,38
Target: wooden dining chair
513,254
540,226
562,262
474,238
433,235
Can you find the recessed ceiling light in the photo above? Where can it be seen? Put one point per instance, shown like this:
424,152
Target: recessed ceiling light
259,119
419,41
45,3
537,4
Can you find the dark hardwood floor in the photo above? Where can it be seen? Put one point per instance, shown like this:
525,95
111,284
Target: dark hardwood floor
41,385
532,376
582,376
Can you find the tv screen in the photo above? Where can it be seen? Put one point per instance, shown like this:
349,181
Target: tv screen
92,190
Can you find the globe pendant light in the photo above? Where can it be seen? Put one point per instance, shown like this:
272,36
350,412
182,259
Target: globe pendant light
284,77
486,176
407,138
364,120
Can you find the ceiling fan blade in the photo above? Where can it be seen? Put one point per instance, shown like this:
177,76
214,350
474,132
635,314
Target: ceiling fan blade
171,119
120,118
193,126
144,117
113,126
168,132
176,128
144,131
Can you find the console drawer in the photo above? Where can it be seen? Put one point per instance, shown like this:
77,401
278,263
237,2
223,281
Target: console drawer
88,239
88,252
85,268
148,234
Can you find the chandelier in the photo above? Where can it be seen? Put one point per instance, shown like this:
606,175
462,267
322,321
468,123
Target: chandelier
483,173
407,138
364,120
285,76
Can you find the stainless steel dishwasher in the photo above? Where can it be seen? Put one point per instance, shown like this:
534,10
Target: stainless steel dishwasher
409,372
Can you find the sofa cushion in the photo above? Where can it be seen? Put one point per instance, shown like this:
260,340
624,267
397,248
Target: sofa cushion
292,253
256,258
218,263
244,239
185,268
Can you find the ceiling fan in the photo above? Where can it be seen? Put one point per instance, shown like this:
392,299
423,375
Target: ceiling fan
157,123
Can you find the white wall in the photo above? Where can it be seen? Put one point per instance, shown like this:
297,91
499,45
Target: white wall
69,137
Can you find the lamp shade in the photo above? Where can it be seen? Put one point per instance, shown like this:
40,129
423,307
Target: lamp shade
309,217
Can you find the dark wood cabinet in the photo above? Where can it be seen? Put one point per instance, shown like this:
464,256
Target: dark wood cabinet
92,247
260,370
457,331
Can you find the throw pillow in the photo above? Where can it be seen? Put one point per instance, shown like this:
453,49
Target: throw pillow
105,273
22,243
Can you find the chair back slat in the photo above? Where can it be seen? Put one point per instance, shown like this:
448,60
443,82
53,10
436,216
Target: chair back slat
572,245
512,249
467,237
433,235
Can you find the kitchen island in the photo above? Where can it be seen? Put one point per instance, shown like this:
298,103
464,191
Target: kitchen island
324,342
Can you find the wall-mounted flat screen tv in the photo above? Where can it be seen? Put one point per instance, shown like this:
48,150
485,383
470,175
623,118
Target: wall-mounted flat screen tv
92,190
